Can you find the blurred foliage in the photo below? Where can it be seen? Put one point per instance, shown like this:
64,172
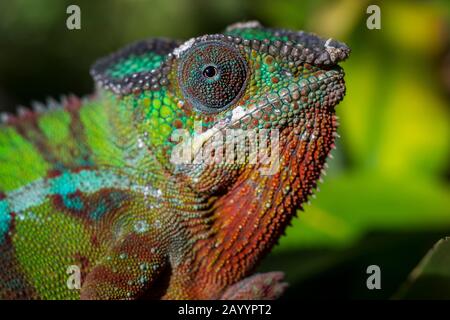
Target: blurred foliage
431,278
386,196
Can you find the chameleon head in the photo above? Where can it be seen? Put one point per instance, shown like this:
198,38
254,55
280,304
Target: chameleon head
251,103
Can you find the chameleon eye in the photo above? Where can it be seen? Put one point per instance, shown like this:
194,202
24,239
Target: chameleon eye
212,75
210,71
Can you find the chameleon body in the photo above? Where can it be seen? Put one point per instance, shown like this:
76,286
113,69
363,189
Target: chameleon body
95,184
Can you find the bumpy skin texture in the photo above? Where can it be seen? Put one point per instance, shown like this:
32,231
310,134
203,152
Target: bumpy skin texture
92,182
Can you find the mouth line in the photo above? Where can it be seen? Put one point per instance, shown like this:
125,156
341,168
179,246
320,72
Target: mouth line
293,93
271,103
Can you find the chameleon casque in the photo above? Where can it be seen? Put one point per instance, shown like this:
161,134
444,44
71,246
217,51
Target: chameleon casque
92,183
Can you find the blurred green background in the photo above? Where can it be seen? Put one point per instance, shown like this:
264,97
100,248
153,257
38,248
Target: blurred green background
386,197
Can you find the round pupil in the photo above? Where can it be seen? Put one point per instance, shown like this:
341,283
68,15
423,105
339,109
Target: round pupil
210,71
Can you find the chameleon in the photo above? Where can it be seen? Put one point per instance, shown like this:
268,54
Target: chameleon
115,186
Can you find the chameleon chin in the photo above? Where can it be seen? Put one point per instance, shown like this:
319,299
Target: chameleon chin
90,184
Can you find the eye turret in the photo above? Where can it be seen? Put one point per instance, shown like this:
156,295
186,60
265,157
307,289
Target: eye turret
212,76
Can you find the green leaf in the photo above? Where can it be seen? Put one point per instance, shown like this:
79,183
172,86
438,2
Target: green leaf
350,205
431,278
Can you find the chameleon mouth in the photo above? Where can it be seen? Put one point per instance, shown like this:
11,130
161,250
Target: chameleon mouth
296,97
287,103
288,106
